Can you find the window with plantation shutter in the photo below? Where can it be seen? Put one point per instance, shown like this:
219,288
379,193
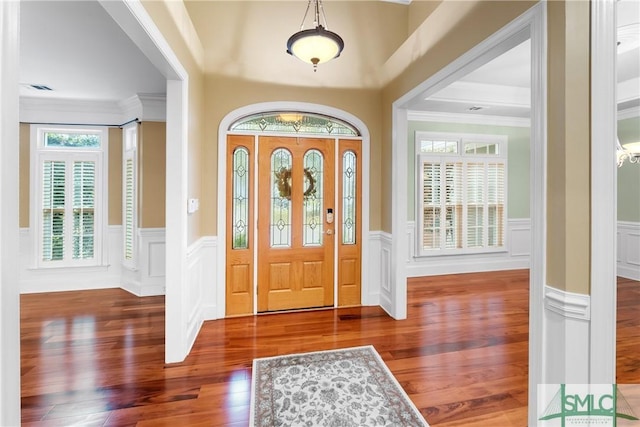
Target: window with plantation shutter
129,206
461,193
68,186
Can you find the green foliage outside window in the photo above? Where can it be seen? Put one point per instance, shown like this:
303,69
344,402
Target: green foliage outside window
71,140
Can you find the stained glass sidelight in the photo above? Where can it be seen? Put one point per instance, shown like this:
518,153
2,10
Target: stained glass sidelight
240,230
281,198
349,189
312,205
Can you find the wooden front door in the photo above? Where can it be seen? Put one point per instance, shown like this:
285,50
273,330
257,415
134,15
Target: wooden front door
296,223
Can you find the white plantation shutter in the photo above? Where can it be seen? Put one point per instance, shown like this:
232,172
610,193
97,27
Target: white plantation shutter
431,188
475,204
53,210
129,199
129,194
84,192
462,199
495,204
453,208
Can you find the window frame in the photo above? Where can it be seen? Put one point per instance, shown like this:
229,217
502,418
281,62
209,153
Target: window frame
39,153
460,156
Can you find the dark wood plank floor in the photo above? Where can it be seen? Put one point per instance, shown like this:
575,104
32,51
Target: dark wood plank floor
95,358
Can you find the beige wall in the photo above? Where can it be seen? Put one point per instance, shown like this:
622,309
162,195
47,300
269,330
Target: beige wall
151,174
115,176
224,94
171,32
568,199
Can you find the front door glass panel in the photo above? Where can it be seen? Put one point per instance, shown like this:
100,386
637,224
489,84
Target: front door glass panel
349,198
281,198
313,206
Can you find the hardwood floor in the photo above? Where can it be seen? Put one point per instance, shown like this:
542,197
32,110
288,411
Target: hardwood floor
628,332
95,358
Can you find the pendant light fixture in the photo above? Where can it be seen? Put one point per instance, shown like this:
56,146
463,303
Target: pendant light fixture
316,45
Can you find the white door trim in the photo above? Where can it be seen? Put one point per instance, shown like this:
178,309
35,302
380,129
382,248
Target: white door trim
602,340
139,26
222,181
531,24
9,283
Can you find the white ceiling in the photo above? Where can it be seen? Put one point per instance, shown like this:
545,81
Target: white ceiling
76,49
502,86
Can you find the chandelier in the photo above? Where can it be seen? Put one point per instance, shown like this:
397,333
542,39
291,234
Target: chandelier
629,151
316,45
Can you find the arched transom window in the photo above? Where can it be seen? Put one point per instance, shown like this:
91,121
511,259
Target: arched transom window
295,122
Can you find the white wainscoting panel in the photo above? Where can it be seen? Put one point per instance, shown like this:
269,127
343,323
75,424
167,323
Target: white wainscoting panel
149,276
202,255
628,250
34,280
516,256
200,287
371,292
380,262
566,334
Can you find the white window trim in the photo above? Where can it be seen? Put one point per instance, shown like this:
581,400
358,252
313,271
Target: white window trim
130,151
38,154
461,139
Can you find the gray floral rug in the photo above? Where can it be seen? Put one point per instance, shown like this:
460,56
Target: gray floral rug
350,387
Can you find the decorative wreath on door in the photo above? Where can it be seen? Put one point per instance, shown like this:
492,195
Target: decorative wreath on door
283,181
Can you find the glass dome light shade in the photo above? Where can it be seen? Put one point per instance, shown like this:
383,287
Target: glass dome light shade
315,46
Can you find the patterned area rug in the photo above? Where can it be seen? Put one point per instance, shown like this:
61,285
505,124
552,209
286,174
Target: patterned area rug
351,387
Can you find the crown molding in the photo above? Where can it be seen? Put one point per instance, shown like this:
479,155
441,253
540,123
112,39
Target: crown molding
474,119
146,107
53,110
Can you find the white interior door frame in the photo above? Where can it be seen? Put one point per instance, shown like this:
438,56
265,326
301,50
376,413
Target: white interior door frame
138,25
222,185
9,148
602,360
531,24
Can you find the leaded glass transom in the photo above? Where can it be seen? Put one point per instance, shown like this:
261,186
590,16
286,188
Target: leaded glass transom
281,198
294,122
240,229
312,206
349,198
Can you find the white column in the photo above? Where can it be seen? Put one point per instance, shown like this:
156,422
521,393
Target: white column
9,140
